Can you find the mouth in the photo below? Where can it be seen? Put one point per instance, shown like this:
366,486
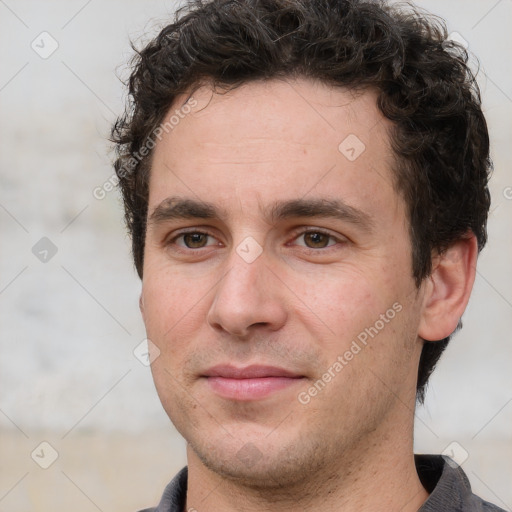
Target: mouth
251,382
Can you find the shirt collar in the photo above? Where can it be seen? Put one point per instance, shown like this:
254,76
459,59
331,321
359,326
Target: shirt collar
443,479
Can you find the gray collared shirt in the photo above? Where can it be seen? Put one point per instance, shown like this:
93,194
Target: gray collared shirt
446,483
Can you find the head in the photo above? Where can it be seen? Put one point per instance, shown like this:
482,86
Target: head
360,107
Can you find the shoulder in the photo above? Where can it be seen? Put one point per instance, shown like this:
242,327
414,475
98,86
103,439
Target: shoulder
174,496
448,486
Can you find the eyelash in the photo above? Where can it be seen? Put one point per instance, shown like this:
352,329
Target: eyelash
189,250
329,235
296,235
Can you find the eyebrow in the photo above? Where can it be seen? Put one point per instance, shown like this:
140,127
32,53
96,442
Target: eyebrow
179,208
322,208
176,208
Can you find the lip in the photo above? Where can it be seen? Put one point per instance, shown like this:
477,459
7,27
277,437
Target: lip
249,383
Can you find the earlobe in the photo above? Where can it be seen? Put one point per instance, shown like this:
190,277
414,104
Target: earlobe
448,289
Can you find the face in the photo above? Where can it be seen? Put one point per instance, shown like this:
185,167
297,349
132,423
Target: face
278,281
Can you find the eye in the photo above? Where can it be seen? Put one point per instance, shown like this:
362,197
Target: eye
316,239
194,240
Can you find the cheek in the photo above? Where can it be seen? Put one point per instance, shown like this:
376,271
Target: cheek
173,306
174,313
367,350
358,315
343,300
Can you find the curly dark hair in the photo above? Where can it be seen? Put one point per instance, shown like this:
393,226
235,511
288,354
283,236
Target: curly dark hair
424,84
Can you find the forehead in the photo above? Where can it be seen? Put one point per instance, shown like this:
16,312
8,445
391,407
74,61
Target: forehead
275,138
303,111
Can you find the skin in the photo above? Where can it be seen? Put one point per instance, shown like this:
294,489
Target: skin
299,305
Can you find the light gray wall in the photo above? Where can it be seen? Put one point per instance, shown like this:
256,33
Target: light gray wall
69,325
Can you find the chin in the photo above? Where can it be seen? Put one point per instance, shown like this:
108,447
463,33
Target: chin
261,465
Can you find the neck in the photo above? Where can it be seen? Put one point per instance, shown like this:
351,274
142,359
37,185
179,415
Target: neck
379,475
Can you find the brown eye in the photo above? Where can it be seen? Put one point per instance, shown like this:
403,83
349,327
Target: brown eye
195,240
316,240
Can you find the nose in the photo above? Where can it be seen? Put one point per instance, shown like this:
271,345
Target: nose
248,297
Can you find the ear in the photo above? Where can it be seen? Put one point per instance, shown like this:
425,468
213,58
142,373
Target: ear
448,288
141,306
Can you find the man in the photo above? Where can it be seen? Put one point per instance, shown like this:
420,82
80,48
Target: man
305,184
